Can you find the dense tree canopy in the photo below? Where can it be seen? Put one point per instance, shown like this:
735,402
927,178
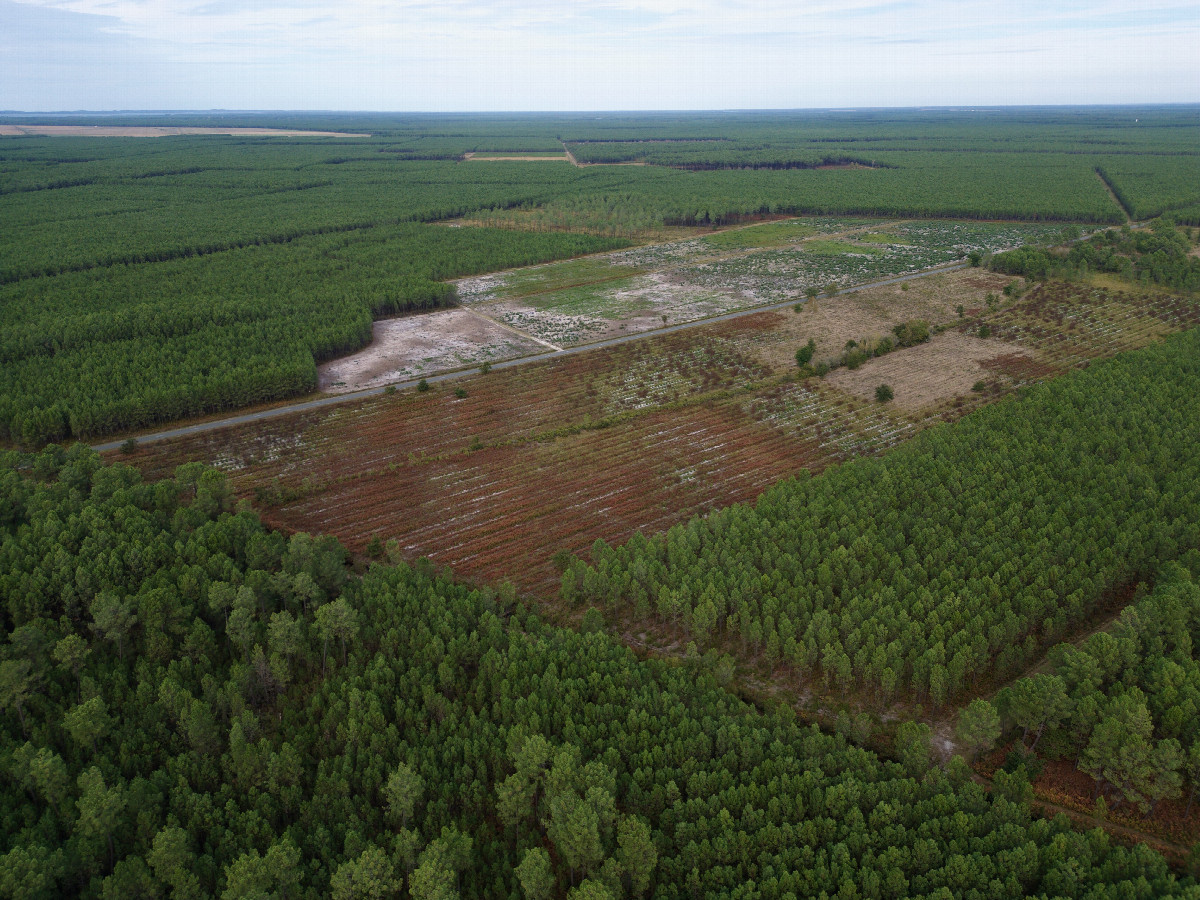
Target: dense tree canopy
174,725
1159,255
1125,704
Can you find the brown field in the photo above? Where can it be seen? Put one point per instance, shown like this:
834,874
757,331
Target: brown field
155,131
945,367
553,455
872,313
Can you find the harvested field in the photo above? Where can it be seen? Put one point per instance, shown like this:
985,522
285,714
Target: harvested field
945,367
638,436
156,131
417,345
1070,324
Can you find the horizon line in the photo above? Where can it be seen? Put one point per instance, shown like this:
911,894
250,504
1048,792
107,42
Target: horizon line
959,107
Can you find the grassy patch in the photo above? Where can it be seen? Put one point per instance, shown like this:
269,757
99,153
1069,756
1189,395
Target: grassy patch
881,237
595,299
774,234
562,276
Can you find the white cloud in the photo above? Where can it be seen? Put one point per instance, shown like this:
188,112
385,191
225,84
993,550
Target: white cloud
529,54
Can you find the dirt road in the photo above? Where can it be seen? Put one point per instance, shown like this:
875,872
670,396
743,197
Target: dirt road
524,360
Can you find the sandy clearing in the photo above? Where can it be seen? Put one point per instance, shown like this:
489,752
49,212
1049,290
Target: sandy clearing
571,158
423,344
156,131
650,301
945,367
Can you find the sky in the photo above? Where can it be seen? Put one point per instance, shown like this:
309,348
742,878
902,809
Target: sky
526,55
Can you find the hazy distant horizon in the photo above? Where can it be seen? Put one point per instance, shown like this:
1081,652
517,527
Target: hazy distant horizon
978,107
594,55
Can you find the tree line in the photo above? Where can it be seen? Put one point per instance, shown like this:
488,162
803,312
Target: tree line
192,705
92,353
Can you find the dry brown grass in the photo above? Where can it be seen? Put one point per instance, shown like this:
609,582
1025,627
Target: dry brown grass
920,376
872,313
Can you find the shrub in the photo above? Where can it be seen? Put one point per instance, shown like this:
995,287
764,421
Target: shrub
854,358
485,368
460,392
805,354
129,445
883,393
979,387
422,385
913,332
985,331
562,559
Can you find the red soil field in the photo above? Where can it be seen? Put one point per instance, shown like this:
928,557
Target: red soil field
532,460
551,456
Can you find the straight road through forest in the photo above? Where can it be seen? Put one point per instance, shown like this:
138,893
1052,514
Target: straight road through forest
338,399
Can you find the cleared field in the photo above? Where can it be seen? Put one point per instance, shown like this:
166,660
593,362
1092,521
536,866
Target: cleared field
871,313
944,368
602,444
593,298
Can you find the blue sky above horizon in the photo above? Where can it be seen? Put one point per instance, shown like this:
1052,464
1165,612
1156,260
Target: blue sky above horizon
493,55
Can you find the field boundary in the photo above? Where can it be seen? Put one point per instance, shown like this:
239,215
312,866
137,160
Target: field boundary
1116,199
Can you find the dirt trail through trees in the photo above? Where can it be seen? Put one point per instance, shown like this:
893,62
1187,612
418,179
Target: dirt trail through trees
1117,200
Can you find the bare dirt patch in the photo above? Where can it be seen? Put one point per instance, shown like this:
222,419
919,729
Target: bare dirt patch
155,131
421,345
945,367
833,321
